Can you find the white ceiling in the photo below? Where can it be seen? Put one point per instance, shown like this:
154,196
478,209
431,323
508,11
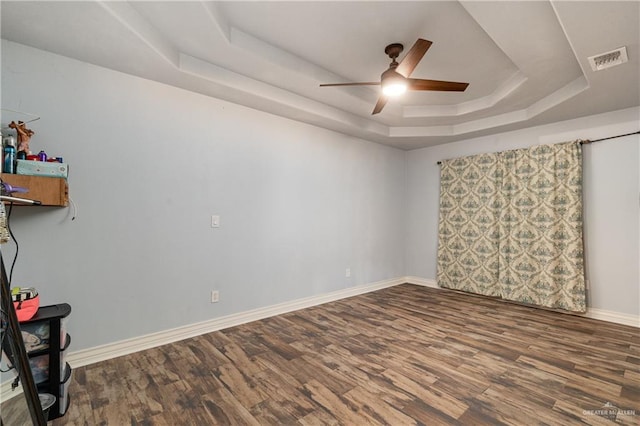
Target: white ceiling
526,61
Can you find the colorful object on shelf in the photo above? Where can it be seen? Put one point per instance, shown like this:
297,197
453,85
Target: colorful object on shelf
10,189
24,135
42,168
9,159
26,302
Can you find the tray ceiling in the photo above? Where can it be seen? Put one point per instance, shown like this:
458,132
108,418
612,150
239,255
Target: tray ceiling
526,62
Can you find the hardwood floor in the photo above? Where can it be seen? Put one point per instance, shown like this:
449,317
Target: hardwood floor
399,356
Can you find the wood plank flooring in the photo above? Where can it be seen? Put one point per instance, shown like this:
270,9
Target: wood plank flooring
400,356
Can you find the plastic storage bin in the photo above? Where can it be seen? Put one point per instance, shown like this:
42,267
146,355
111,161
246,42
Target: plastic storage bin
64,391
40,364
36,334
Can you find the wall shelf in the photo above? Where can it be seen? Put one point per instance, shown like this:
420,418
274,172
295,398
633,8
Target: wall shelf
51,191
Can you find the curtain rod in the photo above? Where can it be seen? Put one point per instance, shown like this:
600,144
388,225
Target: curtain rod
585,142
610,137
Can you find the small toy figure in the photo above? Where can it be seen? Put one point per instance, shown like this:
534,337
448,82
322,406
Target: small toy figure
24,136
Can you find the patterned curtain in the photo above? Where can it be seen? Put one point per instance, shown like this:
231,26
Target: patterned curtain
511,226
468,227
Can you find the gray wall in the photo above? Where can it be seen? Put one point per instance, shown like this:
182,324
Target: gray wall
611,211
150,164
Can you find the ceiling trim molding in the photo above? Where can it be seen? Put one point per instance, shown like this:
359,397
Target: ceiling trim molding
456,110
282,58
218,19
220,75
273,54
139,26
567,92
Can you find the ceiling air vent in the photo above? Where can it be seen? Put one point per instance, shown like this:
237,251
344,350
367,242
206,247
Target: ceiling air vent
608,59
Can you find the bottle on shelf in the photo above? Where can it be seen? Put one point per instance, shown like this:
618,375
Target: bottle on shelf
9,164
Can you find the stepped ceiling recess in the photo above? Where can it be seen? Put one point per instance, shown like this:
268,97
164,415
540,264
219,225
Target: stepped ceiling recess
526,62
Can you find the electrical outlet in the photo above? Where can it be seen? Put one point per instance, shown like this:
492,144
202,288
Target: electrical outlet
347,273
215,296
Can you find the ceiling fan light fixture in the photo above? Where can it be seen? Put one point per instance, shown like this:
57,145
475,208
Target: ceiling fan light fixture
396,79
394,89
393,84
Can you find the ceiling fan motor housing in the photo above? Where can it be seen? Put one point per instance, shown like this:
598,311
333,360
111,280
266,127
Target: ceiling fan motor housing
394,50
391,74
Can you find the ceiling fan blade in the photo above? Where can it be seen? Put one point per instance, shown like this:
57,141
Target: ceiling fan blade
437,85
382,101
411,59
368,83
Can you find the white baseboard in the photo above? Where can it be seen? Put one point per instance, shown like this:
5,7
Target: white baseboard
425,282
599,314
616,317
124,347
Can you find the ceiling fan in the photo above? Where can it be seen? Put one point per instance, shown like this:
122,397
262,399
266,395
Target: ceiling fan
395,80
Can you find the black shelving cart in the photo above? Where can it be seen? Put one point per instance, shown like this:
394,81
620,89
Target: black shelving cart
46,341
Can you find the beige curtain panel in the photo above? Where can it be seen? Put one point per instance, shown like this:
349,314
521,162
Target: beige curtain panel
511,226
